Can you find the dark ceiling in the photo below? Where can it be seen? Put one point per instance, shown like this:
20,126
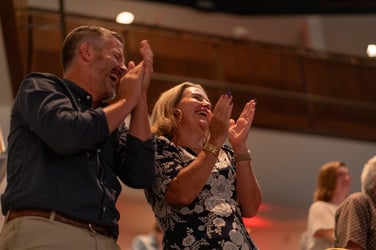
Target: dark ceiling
280,7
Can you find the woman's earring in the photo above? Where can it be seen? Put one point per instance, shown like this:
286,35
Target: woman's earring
178,115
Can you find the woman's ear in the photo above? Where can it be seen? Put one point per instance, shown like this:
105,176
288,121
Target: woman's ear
178,114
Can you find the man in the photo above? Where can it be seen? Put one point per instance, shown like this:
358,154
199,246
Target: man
67,148
355,227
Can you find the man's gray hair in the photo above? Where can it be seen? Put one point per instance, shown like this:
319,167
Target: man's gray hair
368,177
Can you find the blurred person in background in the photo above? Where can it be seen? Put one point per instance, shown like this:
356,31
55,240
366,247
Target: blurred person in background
355,221
332,187
150,241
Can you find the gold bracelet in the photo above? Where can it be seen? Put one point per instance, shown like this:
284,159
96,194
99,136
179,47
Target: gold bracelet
243,157
212,149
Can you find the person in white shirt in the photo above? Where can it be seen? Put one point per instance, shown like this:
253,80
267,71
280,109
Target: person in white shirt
332,187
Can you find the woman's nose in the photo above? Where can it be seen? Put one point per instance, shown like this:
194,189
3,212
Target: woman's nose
206,105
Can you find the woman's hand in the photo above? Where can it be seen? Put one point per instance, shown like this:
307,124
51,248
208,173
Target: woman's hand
220,121
239,130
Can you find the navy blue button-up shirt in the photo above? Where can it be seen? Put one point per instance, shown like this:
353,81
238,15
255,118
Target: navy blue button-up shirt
62,157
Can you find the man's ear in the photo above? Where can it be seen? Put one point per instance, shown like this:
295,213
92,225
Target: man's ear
86,51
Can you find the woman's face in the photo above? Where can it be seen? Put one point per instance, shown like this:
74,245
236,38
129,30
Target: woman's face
344,179
196,109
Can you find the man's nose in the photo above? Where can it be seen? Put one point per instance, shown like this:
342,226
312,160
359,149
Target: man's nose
121,70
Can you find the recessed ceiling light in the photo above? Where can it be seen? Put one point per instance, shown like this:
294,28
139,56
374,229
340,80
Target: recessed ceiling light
125,17
371,50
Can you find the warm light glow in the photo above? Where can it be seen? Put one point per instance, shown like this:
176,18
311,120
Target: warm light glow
125,17
240,32
371,50
257,221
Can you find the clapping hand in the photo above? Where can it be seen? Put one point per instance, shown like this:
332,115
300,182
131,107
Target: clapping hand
239,130
219,124
147,55
136,81
130,85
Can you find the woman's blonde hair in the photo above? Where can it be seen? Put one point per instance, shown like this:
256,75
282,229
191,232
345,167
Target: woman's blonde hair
163,119
327,181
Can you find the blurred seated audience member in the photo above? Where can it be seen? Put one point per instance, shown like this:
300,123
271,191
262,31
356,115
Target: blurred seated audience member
151,241
355,221
332,187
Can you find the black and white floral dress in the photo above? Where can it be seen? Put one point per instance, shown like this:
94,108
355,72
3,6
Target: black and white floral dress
213,220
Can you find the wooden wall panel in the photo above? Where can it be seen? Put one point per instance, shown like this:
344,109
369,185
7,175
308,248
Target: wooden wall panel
335,79
175,52
248,64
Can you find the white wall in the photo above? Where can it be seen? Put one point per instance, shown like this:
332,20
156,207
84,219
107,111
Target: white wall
287,163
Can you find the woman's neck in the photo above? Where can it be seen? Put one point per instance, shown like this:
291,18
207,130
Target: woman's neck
338,198
194,143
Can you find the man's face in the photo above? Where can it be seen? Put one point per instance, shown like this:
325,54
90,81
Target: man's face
108,68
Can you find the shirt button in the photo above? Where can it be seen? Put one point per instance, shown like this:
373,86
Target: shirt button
104,209
88,97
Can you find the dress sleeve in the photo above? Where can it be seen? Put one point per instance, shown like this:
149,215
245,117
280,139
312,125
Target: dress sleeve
352,221
169,161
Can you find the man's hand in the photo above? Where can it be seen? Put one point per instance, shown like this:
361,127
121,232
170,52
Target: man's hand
147,55
130,85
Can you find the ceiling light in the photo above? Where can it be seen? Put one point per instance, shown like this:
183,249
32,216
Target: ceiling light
371,50
241,32
125,17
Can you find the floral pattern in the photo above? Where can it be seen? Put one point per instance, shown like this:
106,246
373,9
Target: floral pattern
213,220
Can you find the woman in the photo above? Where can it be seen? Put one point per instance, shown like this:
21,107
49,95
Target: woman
332,187
202,188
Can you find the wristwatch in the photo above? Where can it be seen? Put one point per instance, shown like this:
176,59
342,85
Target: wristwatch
212,149
243,157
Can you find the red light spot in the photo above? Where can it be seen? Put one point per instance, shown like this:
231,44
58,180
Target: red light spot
256,221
